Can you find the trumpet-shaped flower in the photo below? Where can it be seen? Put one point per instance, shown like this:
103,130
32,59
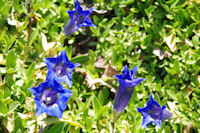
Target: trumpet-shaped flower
153,112
60,68
127,82
78,18
50,97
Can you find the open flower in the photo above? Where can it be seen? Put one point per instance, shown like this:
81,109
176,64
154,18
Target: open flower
78,18
50,97
127,82
60,68
153,112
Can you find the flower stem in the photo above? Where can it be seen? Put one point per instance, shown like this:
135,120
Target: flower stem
113,127
29,19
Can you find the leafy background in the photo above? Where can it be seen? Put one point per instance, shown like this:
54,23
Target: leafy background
160,37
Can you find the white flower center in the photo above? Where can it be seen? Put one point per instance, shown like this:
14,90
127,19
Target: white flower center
48,99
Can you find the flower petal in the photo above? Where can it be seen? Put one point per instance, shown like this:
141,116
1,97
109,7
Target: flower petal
71,14
54,110
63,99
118,77
158,123
78,7
136,81
122,99
151,103
126,73
64,58
165,114
146,121
133,72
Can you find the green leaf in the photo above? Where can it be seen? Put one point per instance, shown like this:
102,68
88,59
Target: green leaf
13,106
57,128
103,96
190,29
10,71
30,70
2,3
3,108
5,8
89,123
176,67
128,19
9,80
172,95
82,59
146,25
158,14
167,129
157,98
1,94
10,42
11,59
103,110
95,19
127,2
50,121
18,127
181,98
146,42
195,40
16,4
33,37
96,105
150,10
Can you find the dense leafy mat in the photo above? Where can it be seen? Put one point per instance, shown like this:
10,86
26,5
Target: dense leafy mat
160,37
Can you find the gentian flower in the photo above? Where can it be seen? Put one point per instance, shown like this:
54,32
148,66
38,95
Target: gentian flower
50,97
60,68
78,18
127,82
153,112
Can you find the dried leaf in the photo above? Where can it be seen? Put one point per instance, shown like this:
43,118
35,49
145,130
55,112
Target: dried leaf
167,54
198,77
100,62
171,105
27,115
2,60
170,41
188,42
8,124
40,75
45,44
40,65
52,52
189,128
109,71
159,53
101,12
92,82
191,1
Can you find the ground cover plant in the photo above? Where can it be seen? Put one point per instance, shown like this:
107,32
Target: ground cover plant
99,66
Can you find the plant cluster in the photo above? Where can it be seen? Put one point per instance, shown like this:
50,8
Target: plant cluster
59,60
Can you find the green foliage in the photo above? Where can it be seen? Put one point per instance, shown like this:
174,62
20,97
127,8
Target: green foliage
128,32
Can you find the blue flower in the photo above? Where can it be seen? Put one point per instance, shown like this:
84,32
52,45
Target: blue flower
60,68
78,18
50,97
127,82
153,112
